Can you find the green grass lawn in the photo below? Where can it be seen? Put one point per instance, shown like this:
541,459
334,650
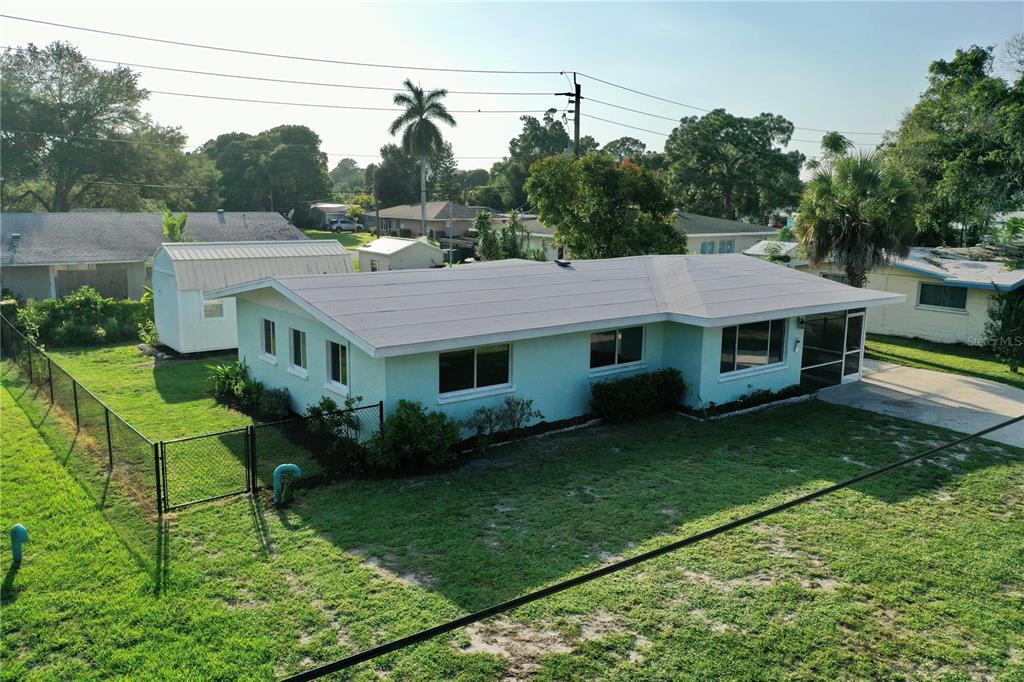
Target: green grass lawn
942,357
915,575
350,240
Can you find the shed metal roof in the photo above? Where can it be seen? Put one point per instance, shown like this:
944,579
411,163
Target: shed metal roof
216,265
386,313
387,246
110,237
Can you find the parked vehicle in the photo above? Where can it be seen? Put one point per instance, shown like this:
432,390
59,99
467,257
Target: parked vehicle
344,225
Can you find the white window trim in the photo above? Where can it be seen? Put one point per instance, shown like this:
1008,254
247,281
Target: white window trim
476,391
759,369
269,358
329,383
941,309
297,370
616,366
473,393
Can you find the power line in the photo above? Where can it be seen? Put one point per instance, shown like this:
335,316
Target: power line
701,109
469,619
275,55
335,106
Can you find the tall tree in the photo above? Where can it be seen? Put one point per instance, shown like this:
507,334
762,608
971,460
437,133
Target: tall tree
394,180
75,136
733,167
348,177
441,174
858,213
276,170
962,147
421,138
539,139
623,148
604,209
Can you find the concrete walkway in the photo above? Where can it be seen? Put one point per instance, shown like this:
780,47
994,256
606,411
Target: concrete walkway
961,403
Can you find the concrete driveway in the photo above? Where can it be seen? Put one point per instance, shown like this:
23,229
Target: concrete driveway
961,403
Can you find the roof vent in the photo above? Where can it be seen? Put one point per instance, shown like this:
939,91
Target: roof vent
563,263
15,238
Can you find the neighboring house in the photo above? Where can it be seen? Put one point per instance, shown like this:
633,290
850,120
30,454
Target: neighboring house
457,339
706,235
404,221
947,292
323,213
398,253
48,255
790,252
182,272
542,237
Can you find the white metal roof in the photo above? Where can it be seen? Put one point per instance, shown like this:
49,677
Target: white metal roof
212,265
387,246
387,313
758,249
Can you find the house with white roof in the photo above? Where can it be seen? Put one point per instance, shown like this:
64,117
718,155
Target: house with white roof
947,291
398,253
183,272
707,236
460,338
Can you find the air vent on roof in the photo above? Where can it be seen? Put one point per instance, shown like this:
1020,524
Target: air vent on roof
15,238
563,263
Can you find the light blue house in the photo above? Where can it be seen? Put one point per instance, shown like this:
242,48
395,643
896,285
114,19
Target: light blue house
458,338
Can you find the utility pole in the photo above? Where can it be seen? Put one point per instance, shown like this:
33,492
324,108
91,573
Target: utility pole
575,98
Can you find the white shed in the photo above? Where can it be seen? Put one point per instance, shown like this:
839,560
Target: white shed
398,253
183,271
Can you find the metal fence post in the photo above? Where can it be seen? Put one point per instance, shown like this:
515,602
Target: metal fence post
28,350
156,480
380,415
163,471
110,443
74,394
49,377
251,460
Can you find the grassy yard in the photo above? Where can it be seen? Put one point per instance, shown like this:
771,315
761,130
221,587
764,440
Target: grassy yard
350,240
942,357
915,575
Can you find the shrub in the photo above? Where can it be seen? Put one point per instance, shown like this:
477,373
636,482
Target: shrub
637,396
514,413
413,437
82,319
148,334
333,433
1004,331
274,404
226,379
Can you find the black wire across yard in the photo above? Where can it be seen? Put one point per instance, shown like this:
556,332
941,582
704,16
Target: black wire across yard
471,618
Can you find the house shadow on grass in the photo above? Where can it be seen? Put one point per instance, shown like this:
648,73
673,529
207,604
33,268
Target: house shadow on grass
536,511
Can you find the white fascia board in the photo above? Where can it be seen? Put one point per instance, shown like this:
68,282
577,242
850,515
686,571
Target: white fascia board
313,311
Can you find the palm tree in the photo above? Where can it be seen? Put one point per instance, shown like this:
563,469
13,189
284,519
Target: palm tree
421,137
857,212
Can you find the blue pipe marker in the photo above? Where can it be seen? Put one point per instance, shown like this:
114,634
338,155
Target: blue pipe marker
280,471
19,536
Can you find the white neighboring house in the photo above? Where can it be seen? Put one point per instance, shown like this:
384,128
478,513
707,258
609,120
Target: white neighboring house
706,235
947,292
398,253
182,272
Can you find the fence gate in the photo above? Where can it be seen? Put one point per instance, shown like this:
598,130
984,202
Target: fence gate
207,467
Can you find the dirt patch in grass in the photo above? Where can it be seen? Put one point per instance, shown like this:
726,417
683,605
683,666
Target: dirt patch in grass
521,645
388,566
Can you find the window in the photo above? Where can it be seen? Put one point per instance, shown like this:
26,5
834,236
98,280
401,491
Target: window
727,246
462,370
213,309
298,349
269,338
374,265
337,363
707,247
942,296
836,277
616,347
752,345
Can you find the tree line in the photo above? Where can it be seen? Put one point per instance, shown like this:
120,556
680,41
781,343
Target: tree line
75,136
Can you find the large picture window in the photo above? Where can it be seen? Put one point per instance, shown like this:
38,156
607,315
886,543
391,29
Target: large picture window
481,367
941,296
707,247
616,347
757,344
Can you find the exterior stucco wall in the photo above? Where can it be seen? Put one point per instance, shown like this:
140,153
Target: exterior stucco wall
915,321
27,281
417,256
719,388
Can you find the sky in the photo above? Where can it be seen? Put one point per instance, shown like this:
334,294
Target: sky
838,66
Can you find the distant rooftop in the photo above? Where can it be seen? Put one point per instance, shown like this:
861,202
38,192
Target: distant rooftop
111,237
436,210
386,246
696,224
983,267
386,313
